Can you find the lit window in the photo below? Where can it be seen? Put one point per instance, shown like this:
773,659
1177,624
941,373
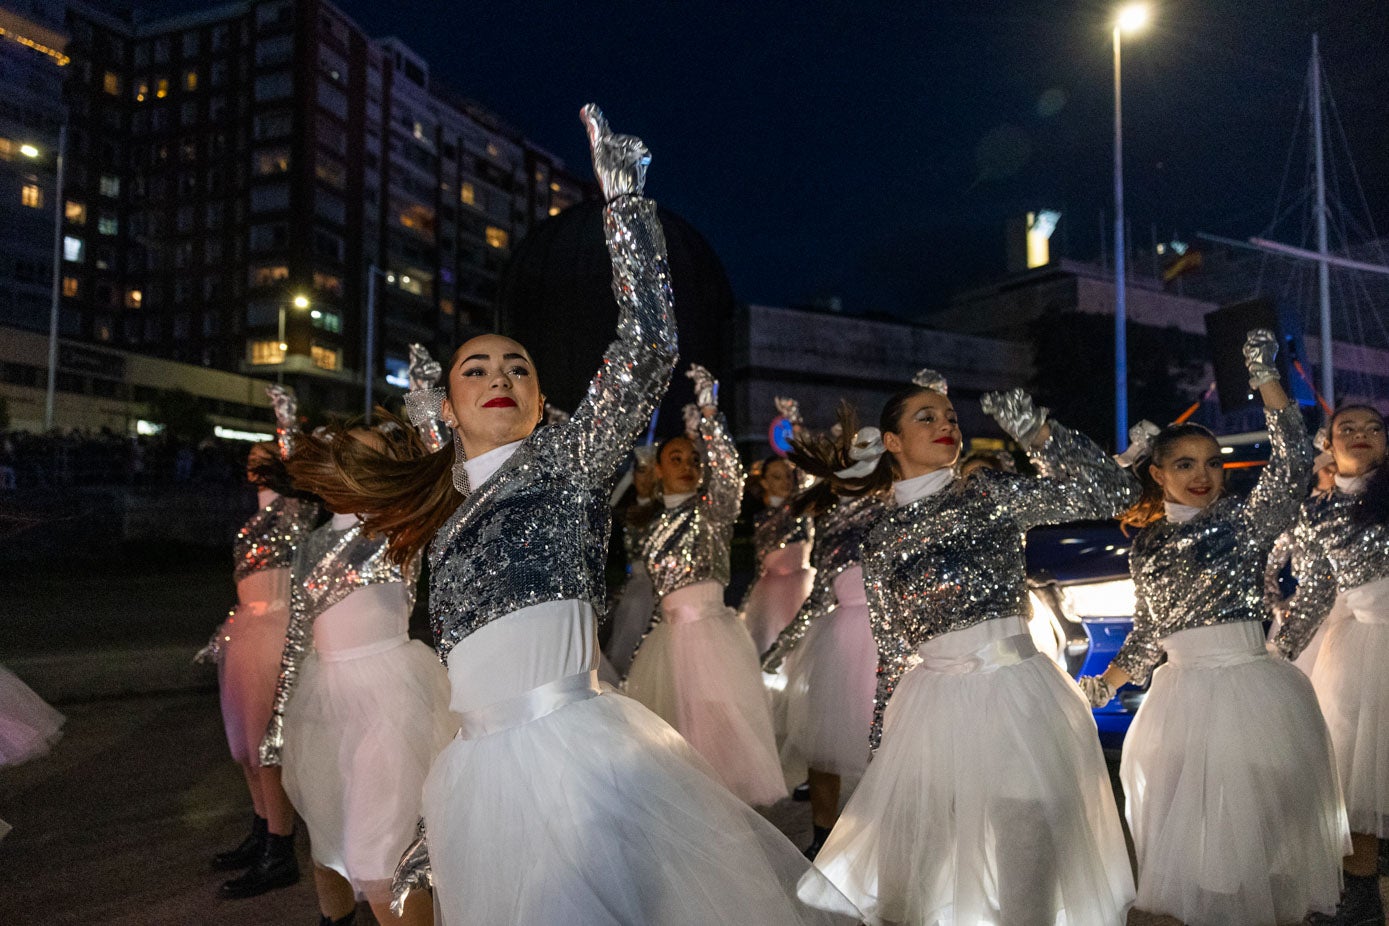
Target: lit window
190,80
161,87
110,186
467,194
496,237
107,225
134,299
325,358
327,283
76,213
72,249
70,287
271,162
418,218
265,353
111,83
142,91
328,321
268,274
446,306
554,210
31,196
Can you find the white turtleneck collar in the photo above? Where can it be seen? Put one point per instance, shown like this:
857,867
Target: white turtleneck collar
342,522
906,491
1179,513
675,501
265,497
1352,485
481,467
776,501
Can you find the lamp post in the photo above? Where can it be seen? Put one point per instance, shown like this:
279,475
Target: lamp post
1131,18
55,299
369,337
300,302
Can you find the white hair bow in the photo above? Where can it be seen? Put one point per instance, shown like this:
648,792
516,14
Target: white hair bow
867,450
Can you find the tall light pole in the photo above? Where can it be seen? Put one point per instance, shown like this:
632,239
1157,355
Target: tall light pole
55,300
369,347
1130,18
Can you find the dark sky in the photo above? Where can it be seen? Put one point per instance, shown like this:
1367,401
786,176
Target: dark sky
874,150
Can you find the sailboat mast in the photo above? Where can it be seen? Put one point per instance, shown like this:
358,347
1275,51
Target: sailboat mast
1328,377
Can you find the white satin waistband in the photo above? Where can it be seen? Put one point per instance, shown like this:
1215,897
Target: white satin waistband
986,646
1369,602
261,608
1216,647
693,603
528,706
366,649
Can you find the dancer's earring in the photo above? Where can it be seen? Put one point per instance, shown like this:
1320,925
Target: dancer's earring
460,470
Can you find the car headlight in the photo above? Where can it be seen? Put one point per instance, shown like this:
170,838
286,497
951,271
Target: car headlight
1114,598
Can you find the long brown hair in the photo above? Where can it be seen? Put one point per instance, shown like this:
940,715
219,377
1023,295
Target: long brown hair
1150,506
889,422
821,455
400,490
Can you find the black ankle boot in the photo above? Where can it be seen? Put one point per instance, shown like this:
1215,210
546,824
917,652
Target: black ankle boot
801,792
244,855
277,867
817,840
348,920
1360,904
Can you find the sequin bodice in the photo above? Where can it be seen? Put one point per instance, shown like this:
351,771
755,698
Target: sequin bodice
269,538
778,528
1210,570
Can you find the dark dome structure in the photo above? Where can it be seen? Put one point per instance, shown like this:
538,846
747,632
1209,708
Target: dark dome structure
555,296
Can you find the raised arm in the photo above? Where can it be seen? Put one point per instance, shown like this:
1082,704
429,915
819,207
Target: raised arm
426,398
296,649
817,604
723,471
1315,595
637,365
1272,507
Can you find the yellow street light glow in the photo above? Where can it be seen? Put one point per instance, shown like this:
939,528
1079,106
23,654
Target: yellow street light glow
29,151
283,347
315,314
1133,17
301,302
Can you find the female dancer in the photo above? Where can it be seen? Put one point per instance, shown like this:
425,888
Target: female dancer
249,644
989,801
631,615
697,668
782,539
28,725
831,672
557,803
1236,818
361,711
1341,556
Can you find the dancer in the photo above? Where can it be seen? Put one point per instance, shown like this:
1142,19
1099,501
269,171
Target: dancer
558,803
988,801
1236,819
248,647
1341,556
28,725
636,602
831,657
697,668
781,539
360,710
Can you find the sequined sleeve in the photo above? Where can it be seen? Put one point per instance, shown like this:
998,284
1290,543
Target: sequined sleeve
1079,481
817,604
1142,647
723,482
1272,506
292,656
1278,557
893,652
1315,595
636,368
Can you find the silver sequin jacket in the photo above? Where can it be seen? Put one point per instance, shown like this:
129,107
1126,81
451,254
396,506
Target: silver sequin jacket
776,529
537,529
1210,570
268,540
955,559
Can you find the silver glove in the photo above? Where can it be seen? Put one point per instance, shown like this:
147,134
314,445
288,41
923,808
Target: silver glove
692,416
930,379
286,418
706,387
424,371
1321,441
555,415
1140,443
645,454
789,409
619,161
1016,414
1260,350
412,872
1096,690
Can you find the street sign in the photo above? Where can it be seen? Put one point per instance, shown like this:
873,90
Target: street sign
779,435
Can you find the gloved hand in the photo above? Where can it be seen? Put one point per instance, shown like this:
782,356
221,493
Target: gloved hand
619,161
424,371
1140,443
706,387
789,409
411,872
1260,350
1096,690
286,418
273,742
692,416
1016,414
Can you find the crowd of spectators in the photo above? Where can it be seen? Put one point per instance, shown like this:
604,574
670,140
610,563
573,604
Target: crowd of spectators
38,462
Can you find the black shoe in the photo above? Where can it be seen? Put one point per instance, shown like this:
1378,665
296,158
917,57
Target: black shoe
348,920
277,867
1360,905
801,792
244,855
817,841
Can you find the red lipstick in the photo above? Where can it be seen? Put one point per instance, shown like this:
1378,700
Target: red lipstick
947,440
500,401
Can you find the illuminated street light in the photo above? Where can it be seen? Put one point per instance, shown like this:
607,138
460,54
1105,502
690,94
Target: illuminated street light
1133,17
29,151
301,302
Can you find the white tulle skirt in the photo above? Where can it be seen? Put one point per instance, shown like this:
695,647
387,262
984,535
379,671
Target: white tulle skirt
250,664
777,594
1351,678
28,726
988,801
360,734
630,618
1232,794
698,671
831,678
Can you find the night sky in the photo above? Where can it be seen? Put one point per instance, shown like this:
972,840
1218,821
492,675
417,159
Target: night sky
873,150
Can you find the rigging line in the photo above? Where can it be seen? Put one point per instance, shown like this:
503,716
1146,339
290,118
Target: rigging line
1287,169
1354,171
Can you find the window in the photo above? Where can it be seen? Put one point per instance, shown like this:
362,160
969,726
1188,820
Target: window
270,198
331,137
161,50
330,172
183,326
325,358
218,75
109,186
210,324
330,207
75,212
275,86
326,282
467,194
212,251
134,298
269,15
264,353
326,321
108,225
30,195
188,114
268,274
72,249
332,99
161,87
111,83
274,50
272,125
220,34
270,161
269,236
70,287
214,215
190,79
496,237
191,45
184,219
327,244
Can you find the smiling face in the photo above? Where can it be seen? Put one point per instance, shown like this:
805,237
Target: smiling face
927,435
494,396
1357,441
1190,471
777,481
644,480
678,467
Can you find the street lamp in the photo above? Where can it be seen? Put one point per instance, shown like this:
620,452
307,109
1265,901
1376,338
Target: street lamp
1130,19
369,349
300,301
